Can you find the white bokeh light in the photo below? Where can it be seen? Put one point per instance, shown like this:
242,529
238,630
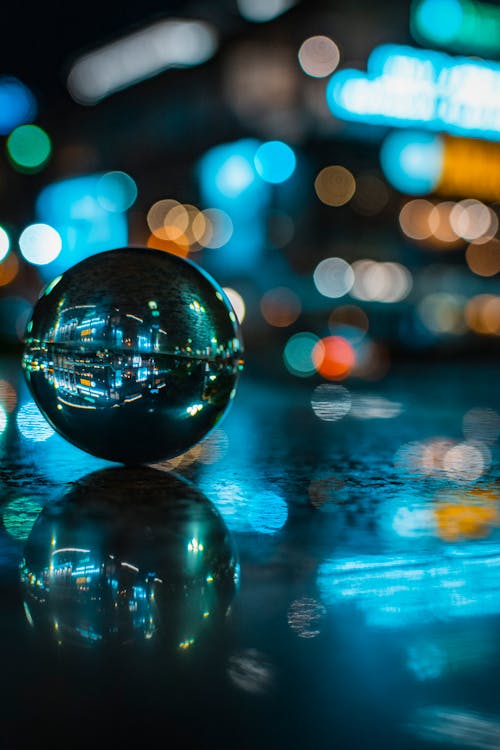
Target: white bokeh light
40,244
333,277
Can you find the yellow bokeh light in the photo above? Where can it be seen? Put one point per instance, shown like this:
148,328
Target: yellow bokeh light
440,222
482,314
484,259
237,302
157,214
335,185
414,219
175,222
465,520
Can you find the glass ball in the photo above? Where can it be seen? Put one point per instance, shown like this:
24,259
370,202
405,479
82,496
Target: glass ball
126,556
133,355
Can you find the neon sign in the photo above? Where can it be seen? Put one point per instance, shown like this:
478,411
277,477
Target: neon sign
408,87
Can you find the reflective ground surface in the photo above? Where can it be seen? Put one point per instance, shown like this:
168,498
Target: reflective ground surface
366,609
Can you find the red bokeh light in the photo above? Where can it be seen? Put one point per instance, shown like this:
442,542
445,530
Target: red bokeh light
333,357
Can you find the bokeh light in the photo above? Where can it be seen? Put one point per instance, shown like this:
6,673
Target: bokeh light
335,185
71,207
440,222
280,306
17,104
32,425
3,420
442,312
412,161
180,246
40,244
437,20
471,220
235,175
212,228
157,215
9,268
298,354
116,191
482,314
349,321
305,617
373,406
138,55
260,11
4,243
333,357
28,147
274,161
237,302
484,260
331,402
333,277
414,219
444,458
381,282
8,396
464,462
319,56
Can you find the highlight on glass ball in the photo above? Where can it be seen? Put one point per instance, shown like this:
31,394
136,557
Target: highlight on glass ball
129,556
133,355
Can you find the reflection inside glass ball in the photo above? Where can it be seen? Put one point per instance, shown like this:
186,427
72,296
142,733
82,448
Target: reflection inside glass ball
126,556
133,355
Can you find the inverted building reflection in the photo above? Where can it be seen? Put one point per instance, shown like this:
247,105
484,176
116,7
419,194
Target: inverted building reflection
129,556
134,357
101,360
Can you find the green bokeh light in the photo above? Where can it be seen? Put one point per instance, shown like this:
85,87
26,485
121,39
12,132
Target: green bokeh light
29,148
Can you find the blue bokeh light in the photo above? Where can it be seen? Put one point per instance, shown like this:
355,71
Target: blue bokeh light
229,182
17,104
275,161
412,161
228,178
73,208
116,191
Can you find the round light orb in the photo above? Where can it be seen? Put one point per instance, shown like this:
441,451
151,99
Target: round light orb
133,355
129,556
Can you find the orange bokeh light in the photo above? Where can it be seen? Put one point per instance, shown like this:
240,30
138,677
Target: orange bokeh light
466,520
333,357
8,269
179,246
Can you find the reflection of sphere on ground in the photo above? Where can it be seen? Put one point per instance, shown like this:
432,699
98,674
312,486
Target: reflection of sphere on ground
128,555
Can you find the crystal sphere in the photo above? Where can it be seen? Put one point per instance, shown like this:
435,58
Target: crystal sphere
129,555
133,355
